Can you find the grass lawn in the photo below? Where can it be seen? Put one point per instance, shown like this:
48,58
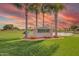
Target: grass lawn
11,43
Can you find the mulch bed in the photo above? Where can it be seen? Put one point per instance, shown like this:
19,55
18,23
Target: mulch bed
41,38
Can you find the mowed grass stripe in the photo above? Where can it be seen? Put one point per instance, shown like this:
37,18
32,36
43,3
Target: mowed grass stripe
11,43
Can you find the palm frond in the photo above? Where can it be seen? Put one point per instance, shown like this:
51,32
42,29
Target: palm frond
18,5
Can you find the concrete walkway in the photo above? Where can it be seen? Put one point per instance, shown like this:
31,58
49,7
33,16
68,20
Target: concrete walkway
64,34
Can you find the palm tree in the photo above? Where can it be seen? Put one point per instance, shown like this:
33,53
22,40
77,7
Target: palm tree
44,10
35,7
25,6
55,8
48,9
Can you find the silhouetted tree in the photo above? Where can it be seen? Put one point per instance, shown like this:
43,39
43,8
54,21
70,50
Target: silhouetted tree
8,27
73,27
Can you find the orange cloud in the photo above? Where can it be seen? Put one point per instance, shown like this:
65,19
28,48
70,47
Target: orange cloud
20,22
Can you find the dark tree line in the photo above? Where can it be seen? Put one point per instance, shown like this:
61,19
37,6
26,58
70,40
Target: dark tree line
10,27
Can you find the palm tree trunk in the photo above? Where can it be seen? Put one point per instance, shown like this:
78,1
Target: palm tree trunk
43,19
51,28
36,19
56,24
43,14
26,20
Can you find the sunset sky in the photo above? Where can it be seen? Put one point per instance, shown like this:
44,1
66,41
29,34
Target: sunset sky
9,14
